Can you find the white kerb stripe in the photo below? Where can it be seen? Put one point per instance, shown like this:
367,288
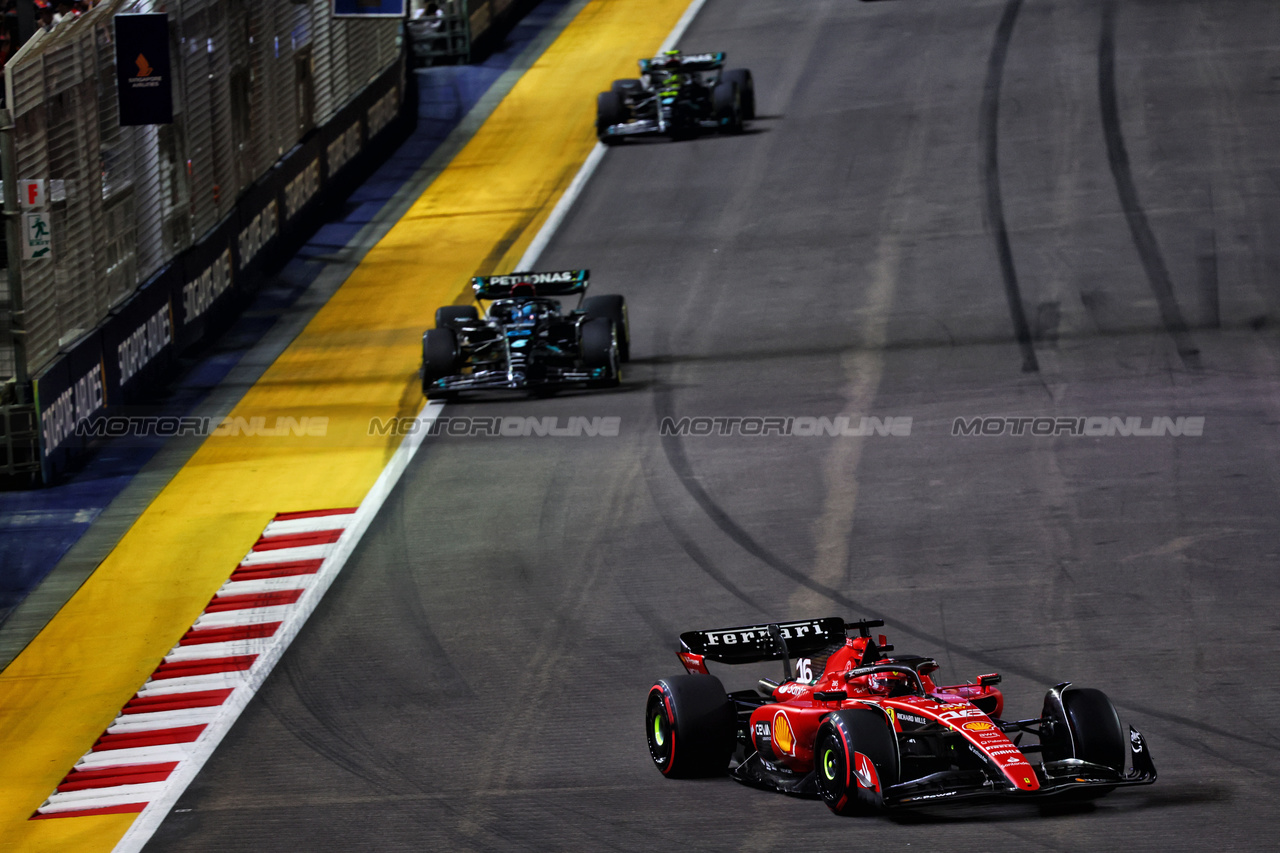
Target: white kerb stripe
192,683
265,585
176,719
160,754
101,798
233,648
288,555
307,525
248,616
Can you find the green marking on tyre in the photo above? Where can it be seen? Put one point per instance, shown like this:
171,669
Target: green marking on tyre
829,763
658,736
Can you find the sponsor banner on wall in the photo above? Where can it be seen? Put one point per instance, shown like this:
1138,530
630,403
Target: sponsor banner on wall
138,342
369,8
144,78
70,392
209,298
256,241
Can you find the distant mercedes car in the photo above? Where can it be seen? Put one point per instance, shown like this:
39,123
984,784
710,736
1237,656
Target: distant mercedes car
526,340
867,731
677,96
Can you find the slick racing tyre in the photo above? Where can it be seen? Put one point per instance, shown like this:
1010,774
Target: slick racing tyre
726,104
600,350
439,358
614,309
855,759
611,109
746,90
627,87
448,315
1089,731
691,726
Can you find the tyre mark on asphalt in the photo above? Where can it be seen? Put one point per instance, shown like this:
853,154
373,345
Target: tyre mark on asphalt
994,212
1144,239
687,543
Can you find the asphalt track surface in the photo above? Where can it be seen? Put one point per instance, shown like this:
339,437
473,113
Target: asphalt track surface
920,171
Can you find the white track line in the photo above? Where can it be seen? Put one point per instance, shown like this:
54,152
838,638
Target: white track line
561,210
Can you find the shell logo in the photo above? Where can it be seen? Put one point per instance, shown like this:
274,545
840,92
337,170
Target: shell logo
978,726
783,737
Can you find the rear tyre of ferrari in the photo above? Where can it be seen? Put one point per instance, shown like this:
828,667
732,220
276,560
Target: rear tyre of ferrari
614,309
746,90
447,315
611,109
855,759
600,350
726,103
691,727
439,359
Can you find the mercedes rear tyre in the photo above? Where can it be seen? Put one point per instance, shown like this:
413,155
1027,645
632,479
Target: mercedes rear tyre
611,109
439,359
614,309
726,103
691,726
855,760
447,316
600,351
746,90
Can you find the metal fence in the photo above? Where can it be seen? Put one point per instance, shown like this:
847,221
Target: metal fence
252,77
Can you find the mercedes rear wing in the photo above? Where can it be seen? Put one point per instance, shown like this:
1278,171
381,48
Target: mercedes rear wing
688,62
560,283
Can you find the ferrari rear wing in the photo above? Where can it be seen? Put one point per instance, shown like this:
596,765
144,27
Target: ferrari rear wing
561,283
755,643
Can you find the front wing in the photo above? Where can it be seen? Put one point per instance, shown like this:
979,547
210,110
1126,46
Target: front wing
501,380
1057,779
649,127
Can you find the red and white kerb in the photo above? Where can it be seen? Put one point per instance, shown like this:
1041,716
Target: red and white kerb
161,726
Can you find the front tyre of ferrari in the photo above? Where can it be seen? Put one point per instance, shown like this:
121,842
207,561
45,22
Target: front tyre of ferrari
613,308
1086,727
855,759
439,358
690,726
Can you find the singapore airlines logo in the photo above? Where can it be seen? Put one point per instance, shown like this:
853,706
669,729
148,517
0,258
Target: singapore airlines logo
147,77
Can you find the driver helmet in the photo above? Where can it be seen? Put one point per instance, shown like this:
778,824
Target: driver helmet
890,684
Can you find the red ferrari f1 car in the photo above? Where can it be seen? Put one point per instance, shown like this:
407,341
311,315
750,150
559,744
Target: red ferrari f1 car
866,730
